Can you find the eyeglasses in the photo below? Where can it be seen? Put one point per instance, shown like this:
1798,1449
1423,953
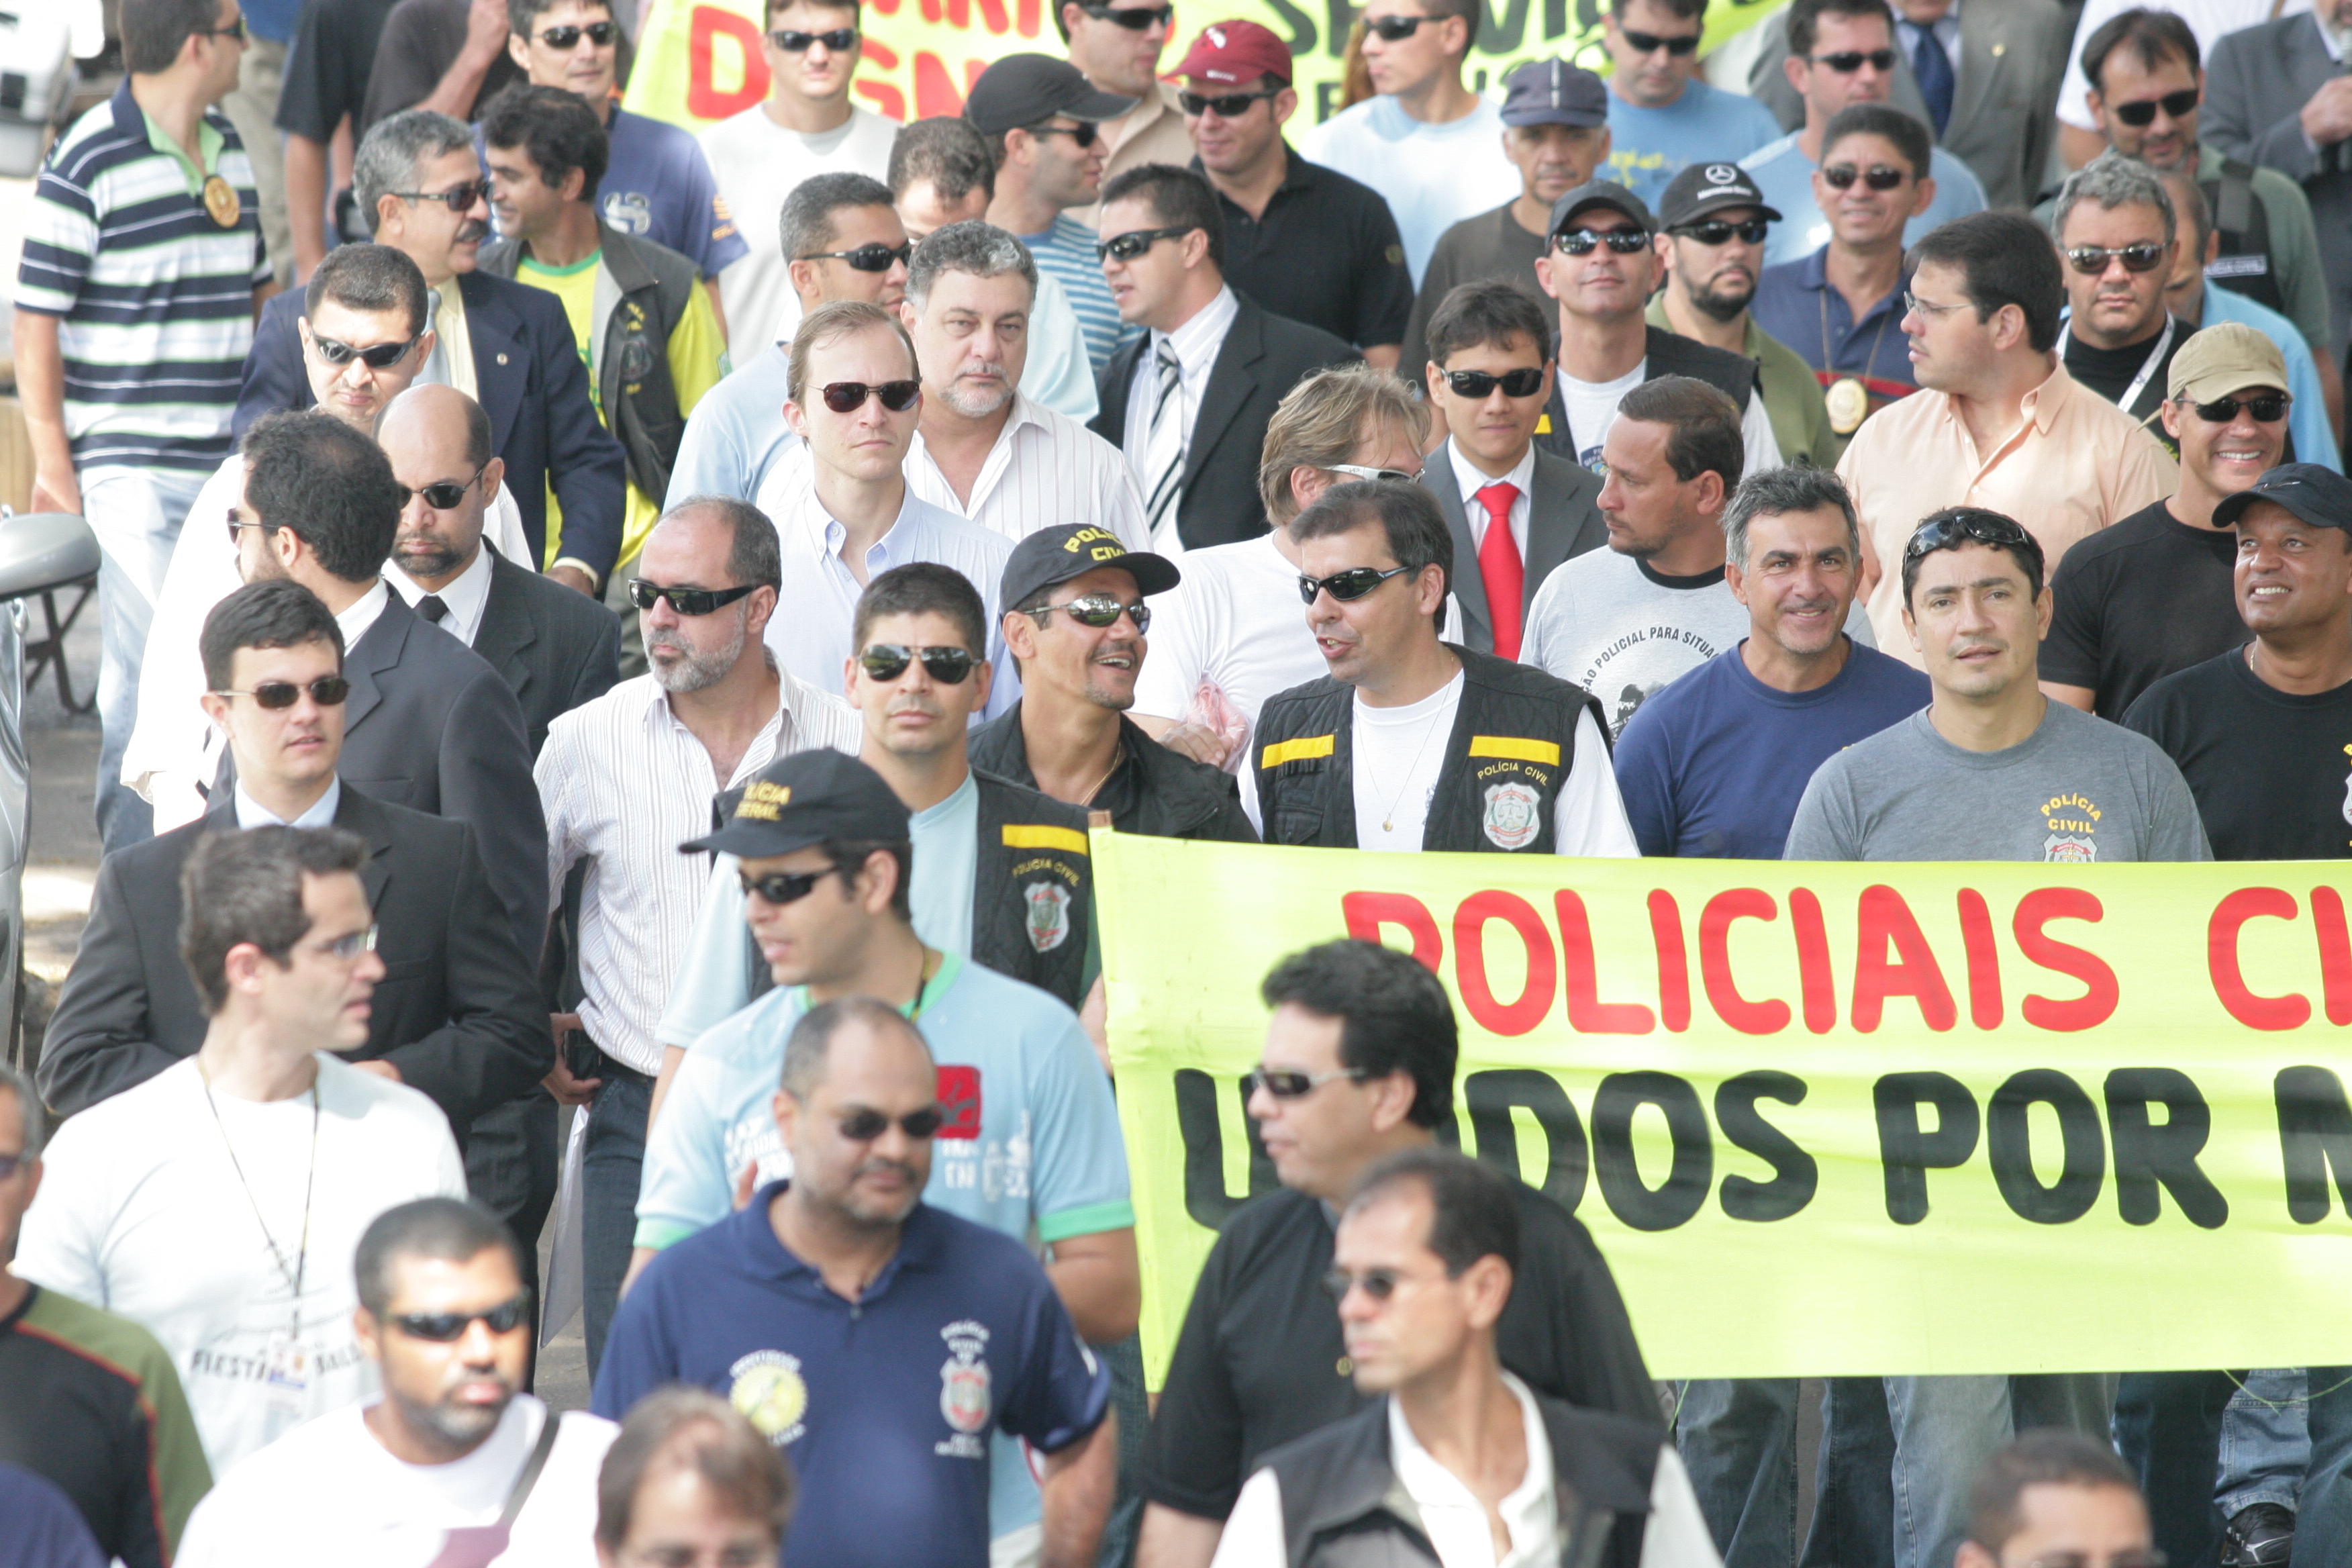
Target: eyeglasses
1582,241
1347,587
1362,472
447,1327
849,396
888,661
1524,381
568,38
2091,260
237,525
234,30
1650,42
2267,408
1082,134
1293,1085
458,199
1098,610
1136,18
349,947
1722,231
1845,62
1391,29
1984,527
326,691
872,256
782,887
1136,241
1379,1284
1229,106
442,495
1926,311
2141,112
1878,176
683,601
377,357
840,40
866,1124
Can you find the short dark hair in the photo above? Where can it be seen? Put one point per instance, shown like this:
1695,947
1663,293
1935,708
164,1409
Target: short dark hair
556,127
804,228
1417,534
1477,1209
2028,555
153,30
945,149
851,854
834,321
447,1230
755,555
332,487
1394,1015
1804,20
768,12
1491,314
923,588
2048,1455
1178,197
1703,425
1470,11
1778,492
1681,10
521,14
247,886
681,1428
810,1044
2003,258
1908,137
2154,35
277,612
370,278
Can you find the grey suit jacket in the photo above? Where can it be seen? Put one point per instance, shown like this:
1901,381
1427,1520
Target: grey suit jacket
2004,102
555,647
1563,522
2256,82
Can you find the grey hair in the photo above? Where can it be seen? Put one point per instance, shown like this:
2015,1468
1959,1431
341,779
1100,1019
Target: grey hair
1776,492
972,246
389,158
2113,181
28,1105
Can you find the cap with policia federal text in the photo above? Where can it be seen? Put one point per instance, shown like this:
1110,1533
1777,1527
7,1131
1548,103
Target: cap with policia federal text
803,799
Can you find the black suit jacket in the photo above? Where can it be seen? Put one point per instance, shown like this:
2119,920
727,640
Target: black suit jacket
456,1011
533,385
1263,357
1563,522
555,647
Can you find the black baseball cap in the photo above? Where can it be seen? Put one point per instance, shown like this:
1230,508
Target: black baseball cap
1705,188
1599,194
1553,92
2321,497
804,799
1070,550
1029,90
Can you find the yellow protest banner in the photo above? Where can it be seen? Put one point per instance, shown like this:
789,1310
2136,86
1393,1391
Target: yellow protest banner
1823,1119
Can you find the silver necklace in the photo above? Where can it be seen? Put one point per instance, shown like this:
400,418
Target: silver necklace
1388,822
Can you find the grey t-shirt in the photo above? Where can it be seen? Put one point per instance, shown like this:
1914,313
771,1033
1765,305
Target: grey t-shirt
2077,791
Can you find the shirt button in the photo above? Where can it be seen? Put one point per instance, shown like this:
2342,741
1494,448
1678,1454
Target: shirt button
1345,1367
502,359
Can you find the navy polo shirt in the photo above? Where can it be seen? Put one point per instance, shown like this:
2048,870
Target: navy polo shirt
961,1335
1795,303
1324,252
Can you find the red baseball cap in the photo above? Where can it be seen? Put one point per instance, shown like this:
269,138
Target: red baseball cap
1236,52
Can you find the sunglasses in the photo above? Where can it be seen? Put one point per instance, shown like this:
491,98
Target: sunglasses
1583,241
234,30
348,947
1984,527
1082,134
1136,241
598,33
682,601
1650,42
1230,106
865,1125
377,357
888,661
2091,260
1098,610
2141,112
442,495
840,40
458,199
2267,407
1379,1284
1292,1085
1524,381
1845,62
447,1327
1878,176
1722,231
1391,29
782,887
849,396
1362,472
1135,18
1347,587
872,256
326,691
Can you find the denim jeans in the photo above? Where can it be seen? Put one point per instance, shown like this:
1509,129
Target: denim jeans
1738,1439
1945,1429
136,514
611,1162
2266,1442
2324,1516
1853,1502
2168,1428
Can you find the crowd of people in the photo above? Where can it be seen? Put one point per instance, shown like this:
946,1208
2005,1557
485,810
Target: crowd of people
606,617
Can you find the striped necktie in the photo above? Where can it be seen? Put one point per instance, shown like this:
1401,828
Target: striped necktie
1163,453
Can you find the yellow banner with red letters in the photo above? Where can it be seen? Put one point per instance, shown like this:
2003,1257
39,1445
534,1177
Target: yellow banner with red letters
1823,1119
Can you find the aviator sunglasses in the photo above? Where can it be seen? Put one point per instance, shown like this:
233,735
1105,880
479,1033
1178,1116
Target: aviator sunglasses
682,601
326,691
2141,112
840,40
1098,610
849,396
565,38
442,495
1878,176
2091,260
871,256
447,1327
1347,587
888,661
1524,381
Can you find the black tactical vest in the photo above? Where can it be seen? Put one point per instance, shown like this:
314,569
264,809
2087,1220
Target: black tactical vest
2244,265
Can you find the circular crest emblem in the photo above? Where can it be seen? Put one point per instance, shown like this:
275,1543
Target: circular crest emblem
767,1389
1721,173
1514,815
963,1395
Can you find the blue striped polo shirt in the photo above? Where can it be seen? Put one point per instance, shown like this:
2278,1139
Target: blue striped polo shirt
1068,251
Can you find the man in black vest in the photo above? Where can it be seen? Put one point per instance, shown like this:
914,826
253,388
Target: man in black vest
1601,265
1426,1254
1410,743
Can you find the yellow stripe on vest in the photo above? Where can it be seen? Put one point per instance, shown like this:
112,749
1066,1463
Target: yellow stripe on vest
1297,751
1517,750
1033,837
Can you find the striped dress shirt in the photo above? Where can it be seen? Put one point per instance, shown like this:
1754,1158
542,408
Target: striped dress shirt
1045,470
624,784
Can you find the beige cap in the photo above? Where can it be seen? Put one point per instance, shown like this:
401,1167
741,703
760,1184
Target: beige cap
2228,357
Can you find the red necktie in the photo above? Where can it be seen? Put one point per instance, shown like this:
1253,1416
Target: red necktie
1499,568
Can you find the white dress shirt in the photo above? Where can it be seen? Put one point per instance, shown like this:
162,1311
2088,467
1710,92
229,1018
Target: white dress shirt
1945,30
1044,470
1473,480
361,614
468,594
1197,344
251,813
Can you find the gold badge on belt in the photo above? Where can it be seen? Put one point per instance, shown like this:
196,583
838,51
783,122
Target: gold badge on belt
1849,405
220,200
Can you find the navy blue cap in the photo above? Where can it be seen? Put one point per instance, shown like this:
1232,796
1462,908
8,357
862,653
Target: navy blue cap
1599,194
804,799
1553,92
2321,497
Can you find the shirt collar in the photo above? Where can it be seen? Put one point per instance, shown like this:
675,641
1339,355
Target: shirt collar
2042,403
1197,340
251,813
922,1243
1943,27
884,552
362,614
658,711
466,595
1422,1477
1473,480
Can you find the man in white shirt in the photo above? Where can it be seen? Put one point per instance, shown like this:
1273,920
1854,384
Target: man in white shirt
626,779
1496,1475
984,448
454,1456
804,127
1443,748
219,1203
